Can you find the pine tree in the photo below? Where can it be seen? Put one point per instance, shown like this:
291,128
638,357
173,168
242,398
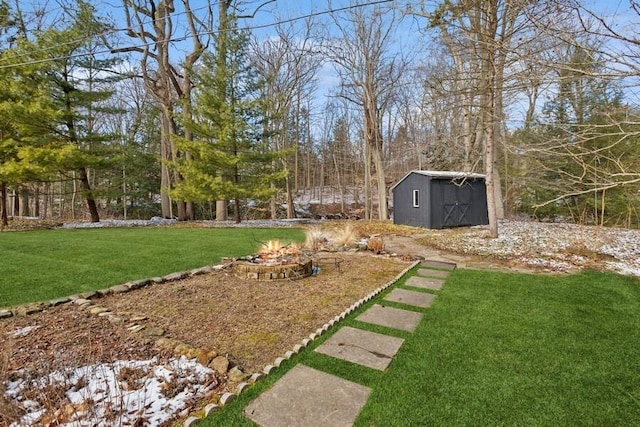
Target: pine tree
66,91
229,159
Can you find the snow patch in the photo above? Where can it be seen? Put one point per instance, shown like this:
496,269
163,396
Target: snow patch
119,393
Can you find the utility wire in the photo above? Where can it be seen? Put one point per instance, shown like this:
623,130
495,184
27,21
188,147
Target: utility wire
104,33
204,33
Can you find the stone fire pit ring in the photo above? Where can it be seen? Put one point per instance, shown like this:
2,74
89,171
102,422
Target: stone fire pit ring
271,272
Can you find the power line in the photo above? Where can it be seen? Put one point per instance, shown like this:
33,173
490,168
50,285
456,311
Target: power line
204,33
102,34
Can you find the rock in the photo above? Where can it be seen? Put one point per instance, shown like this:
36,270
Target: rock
31,309
103,292
205,357
166,343
153,332
157,280
81,301
192,353
115,319
136,328
175,276
56,302
138,318
182,348
201,270
97,309
89,295
118,289
137,284
220,364
236,375
6,314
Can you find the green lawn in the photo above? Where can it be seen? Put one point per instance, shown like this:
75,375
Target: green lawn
42,265
502,349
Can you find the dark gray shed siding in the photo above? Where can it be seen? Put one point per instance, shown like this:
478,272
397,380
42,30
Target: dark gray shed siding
445,200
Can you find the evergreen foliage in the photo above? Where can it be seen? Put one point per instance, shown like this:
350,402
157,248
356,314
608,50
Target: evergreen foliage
53,106
582,151
229,158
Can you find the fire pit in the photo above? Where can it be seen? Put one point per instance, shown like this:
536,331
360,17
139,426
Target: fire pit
274,262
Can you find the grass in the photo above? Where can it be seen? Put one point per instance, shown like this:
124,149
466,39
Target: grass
501,349
43,265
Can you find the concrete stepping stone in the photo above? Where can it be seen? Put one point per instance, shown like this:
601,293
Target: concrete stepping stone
391,317
415,298
362,347
438,264
424,282
308,397
433,273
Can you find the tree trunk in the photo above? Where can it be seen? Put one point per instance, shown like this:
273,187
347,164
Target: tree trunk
86,189
273,204
21,202
291,211
367,182
382,187
487,96
497,188
221,210
4,221
236,210
36,202
47,204
165,178
287,186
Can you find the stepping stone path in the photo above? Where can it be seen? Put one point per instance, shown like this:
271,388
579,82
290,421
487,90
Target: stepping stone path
442,265
432,273
308,397
425,283
390,317
419,299
362,347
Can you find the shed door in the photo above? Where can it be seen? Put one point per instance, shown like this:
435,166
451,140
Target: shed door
456,204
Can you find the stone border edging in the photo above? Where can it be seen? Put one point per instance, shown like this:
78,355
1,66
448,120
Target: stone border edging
228,397
84,297
85,300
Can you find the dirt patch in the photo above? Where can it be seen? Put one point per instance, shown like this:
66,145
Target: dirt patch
253,322
249,321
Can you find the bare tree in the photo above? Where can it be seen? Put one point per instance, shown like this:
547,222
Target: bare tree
153,23
482,36
368,70
287,64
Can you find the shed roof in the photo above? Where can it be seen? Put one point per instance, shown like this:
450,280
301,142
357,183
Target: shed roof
441,174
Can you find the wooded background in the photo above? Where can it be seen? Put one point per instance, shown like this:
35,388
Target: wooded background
199,111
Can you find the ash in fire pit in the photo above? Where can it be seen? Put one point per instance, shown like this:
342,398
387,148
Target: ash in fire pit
275,261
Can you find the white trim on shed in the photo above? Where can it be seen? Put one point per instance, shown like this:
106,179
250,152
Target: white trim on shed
441,174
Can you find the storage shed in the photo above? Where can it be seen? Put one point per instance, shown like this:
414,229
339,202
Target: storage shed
440,199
